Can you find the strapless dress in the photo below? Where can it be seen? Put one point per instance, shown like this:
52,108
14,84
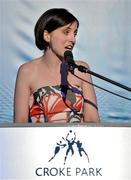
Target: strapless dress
60,103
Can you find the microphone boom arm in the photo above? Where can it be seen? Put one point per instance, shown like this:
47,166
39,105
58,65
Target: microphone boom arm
72,66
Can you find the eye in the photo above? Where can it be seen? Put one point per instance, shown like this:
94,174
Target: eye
75,33
66,32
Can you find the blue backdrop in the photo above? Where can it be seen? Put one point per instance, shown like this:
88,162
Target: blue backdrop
103,41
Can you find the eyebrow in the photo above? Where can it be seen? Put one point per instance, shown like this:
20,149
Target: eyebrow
68,27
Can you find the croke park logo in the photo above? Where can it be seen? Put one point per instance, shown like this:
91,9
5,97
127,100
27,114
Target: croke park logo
67,147
68,143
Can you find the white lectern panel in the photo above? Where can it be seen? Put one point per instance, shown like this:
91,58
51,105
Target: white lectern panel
80,152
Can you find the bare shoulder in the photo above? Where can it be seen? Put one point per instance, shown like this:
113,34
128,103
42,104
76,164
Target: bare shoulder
82,63
80,74
27,68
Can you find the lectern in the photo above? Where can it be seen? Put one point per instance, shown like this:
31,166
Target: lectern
62,151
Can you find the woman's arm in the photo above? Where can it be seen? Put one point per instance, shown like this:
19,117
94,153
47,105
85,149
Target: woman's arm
21,97
90,103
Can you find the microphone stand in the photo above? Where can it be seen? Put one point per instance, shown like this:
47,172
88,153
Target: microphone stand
72,66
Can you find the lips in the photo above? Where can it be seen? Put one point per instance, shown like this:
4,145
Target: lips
69,47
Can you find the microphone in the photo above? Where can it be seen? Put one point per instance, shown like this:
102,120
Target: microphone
68,57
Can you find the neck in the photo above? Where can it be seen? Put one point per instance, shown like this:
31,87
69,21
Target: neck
51,59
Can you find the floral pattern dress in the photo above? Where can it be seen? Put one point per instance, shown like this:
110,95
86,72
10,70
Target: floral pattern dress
60,103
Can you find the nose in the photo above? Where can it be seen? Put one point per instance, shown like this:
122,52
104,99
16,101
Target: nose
72,38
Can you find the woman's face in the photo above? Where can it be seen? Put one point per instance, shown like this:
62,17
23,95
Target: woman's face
63,38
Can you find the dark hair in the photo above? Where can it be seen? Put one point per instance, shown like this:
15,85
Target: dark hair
50,21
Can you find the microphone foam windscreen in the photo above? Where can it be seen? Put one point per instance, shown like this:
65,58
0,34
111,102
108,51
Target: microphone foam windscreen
68,56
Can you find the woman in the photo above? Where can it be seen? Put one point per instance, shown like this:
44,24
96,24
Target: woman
45,90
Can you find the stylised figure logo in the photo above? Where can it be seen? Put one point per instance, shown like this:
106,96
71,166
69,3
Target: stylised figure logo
57,148
81,149
68,143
